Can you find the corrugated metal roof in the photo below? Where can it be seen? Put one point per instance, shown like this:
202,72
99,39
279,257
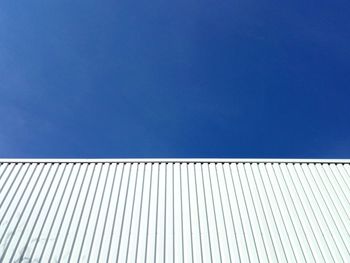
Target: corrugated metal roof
174,210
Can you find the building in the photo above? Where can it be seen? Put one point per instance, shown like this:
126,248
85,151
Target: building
166,210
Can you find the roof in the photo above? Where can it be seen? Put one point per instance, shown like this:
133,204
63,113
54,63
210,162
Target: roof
197,210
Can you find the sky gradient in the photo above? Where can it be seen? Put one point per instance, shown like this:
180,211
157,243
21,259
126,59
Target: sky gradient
243,78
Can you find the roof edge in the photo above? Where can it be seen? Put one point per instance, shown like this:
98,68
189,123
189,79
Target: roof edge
168,160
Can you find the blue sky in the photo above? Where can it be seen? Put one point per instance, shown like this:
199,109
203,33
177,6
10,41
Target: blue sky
153,78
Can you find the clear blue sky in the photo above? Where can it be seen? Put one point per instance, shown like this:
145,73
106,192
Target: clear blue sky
184,78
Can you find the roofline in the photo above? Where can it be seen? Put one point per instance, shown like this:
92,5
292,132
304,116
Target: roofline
170,160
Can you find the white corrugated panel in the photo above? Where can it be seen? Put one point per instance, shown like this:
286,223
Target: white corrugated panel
174,210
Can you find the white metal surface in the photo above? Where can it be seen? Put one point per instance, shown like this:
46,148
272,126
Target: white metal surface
218,210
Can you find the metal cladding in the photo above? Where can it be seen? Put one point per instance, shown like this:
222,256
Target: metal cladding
174,211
